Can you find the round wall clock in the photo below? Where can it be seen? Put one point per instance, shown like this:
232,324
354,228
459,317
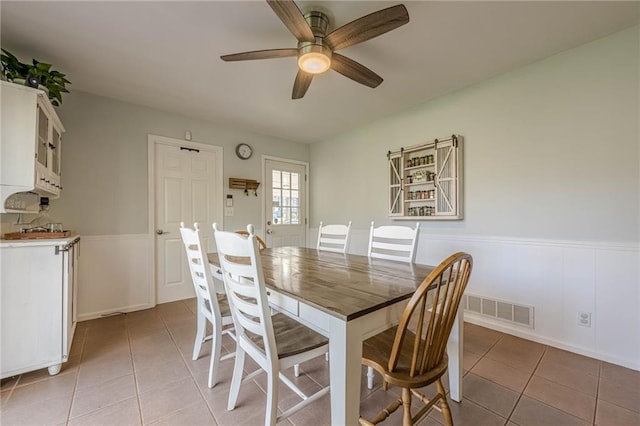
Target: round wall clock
244,151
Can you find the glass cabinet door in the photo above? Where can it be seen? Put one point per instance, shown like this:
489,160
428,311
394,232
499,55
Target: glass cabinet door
55,152
43,137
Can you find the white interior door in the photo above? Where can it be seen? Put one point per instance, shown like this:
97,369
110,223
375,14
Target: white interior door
188,188
285,203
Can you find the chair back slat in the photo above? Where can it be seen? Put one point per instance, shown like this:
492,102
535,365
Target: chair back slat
244,282
430,314
198,263
397,243
334,238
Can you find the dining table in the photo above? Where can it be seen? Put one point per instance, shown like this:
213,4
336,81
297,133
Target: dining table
347,298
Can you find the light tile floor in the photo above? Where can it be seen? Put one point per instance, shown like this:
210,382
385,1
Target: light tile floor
136,369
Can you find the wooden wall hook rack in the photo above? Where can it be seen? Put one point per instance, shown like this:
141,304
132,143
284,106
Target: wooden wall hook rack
245,184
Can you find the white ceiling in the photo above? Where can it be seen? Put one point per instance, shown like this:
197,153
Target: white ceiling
166,54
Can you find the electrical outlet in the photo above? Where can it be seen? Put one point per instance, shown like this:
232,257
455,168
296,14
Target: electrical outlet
228,211
584,319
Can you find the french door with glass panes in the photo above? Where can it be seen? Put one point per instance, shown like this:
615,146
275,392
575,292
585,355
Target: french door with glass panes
285,203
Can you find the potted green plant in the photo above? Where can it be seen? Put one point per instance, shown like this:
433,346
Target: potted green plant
35,75
12,68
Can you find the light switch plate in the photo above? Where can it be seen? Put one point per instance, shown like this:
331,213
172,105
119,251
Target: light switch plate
228,211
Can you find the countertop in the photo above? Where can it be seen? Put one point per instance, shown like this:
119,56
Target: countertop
39,242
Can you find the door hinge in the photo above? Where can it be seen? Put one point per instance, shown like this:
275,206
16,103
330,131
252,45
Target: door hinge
305,220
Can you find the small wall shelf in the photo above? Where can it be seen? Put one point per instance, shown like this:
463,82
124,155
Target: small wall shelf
245,184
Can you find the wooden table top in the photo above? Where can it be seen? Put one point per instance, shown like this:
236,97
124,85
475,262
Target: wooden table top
345,286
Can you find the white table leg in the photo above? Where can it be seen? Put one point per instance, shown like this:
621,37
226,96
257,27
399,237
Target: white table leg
454,351
345,353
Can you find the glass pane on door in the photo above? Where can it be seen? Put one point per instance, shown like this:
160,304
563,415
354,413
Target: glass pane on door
43,137
55,148
286,197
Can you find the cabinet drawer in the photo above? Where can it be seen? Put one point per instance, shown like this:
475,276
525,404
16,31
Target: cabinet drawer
281,302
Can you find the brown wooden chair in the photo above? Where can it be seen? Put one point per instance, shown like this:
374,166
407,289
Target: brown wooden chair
413,355
261,244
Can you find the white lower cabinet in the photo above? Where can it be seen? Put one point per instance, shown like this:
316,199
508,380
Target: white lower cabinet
38,297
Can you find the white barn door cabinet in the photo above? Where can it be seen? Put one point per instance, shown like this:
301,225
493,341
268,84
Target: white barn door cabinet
425,181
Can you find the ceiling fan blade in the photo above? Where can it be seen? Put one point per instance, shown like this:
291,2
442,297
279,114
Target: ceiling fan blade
292,18
368,27
303,80
260,54
355,71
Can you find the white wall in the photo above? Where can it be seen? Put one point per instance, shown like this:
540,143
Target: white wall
104,163
552,191
105,191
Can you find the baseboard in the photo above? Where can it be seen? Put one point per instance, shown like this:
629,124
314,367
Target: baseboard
122,310
528,334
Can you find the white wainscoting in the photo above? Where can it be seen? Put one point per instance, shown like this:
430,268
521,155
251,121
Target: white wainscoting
559,278
115,275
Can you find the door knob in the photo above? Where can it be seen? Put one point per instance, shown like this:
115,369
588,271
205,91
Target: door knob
160,232
269,231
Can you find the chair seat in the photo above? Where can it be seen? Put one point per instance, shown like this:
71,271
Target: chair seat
223,303
376,352
292,338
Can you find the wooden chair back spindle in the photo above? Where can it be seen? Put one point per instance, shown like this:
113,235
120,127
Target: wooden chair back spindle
413,354
433,323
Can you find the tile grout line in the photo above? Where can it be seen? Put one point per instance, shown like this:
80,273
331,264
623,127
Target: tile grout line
13,388
75,385
108,380
133,368
182,357
595,408
526,384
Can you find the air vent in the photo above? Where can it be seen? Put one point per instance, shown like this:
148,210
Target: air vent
500,309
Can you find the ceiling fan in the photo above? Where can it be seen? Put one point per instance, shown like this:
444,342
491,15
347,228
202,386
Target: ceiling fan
316,49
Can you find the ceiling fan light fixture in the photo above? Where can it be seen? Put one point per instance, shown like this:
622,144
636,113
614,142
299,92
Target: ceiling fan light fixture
314,58
314,62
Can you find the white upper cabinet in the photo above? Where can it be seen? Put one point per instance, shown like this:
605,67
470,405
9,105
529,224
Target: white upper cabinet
425,181
30,144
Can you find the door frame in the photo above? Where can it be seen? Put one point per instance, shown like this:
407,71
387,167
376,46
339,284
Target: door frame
152,140
306,188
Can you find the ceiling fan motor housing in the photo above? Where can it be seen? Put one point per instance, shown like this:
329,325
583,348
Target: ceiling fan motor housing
318,22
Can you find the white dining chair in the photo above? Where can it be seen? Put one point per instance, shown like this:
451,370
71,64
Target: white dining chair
211,306
275,342
392,242
334,238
